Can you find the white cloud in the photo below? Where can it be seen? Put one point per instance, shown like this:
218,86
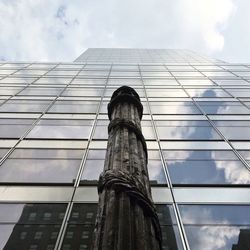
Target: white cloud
61,30
207,18
234,172
210,238
208,229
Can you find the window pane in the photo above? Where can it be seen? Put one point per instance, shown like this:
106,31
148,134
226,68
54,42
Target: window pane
88,81
60,129
166,93
97,66
3,151
24,106
188,130
170,233
24,225
218,73
83,214
90,73
173,108
27,72
92,171
231,82
41,91
162,82
205,167
155,168
14,128
196,82
83,92
147,130
9,90
101,129
239,92
80,227
53,80
41,166
74,107
124,81
186,73
124,67
216,227
234,130
62,73
155,74
207,92
18,80
124,73
242,73
93,167
223,108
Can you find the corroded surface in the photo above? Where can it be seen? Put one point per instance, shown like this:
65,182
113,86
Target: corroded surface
126,218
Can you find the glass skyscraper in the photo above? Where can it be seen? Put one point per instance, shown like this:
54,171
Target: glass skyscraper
53,136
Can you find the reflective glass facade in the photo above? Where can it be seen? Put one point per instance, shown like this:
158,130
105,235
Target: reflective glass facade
53,136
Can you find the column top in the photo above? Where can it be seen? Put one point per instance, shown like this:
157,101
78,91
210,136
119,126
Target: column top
125,94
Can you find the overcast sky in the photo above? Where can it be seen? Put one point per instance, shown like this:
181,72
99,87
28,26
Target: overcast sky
60,30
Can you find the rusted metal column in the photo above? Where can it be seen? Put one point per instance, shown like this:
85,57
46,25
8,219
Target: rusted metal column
126,219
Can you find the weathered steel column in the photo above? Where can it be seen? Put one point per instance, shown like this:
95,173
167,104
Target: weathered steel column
126,218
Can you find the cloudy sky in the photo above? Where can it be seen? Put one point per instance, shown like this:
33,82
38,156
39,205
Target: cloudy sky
59,30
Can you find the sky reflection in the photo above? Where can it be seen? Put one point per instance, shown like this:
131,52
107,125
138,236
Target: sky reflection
206,167
214,227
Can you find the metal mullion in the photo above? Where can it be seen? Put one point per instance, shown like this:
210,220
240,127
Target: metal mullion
27,85
63,227
181,226
177,213
92,131
69,206
154,129
79,174
20,90
70,203
165,169
34,123
16,70
223,88
240,157
41,76
27,131
242,78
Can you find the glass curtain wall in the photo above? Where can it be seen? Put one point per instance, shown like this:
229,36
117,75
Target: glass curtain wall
53,136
